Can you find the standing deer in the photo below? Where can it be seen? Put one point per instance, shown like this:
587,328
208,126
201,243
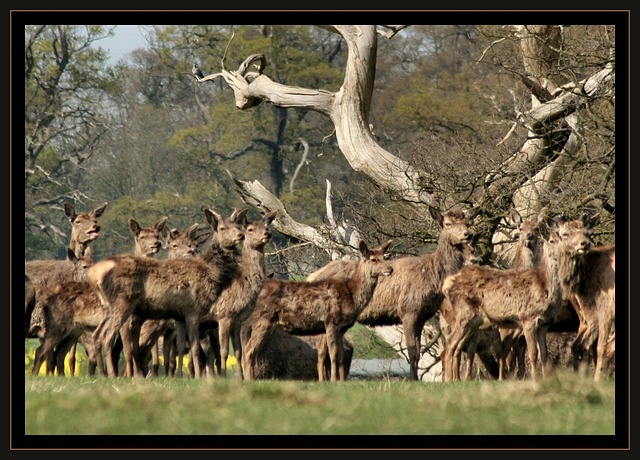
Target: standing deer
185,288
49,272
147,243
414,294
588,278
71,309
529,299
329,306
74,310
235,304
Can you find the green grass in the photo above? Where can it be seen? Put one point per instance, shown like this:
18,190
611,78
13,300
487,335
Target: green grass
563,404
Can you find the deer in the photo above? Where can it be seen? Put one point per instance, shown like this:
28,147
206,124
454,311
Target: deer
49,272
73,308
178,244
185,288
235,304
588,280
329,306
414,294
147,243
289,357
528,299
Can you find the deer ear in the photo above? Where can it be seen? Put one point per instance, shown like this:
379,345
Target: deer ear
364,250
71,255
160,224
212,217
385,246
87,252
239,216
470,214
134,226
191,231
515,216
98,210
70,211
268,218
436,214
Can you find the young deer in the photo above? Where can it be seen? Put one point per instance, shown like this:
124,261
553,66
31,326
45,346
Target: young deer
49,272
185,288
235,304
328,306
45,275
414,294
529,299
74,310
147,243
71,309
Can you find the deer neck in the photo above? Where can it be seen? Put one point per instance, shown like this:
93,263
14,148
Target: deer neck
573,271
362,285
449,257
252,267
77,247
549,269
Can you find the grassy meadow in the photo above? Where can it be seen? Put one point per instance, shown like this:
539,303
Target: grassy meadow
561,404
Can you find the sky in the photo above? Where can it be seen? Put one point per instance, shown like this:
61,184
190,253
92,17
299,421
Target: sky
126,39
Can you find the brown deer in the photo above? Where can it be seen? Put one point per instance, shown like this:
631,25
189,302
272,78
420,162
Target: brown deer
588,278
414,294
71,309
174,337
84,230
235,304
328,307
289,357
184,288
528,299
47,274
147,243
65,326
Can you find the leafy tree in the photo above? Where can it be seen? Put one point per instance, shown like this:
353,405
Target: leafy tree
66,84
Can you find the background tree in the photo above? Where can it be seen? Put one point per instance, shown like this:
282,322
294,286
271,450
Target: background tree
66,83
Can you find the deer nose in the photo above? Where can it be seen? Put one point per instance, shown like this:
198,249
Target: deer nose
585,244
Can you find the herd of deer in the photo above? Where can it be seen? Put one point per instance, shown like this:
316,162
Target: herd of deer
195,302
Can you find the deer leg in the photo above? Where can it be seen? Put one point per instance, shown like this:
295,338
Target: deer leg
224,329
412,335
237,350
332,342
106,332
604,332
532,347
193,335
252,347
181,344
323,352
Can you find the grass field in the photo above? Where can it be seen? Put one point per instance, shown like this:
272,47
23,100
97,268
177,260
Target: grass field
560,408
